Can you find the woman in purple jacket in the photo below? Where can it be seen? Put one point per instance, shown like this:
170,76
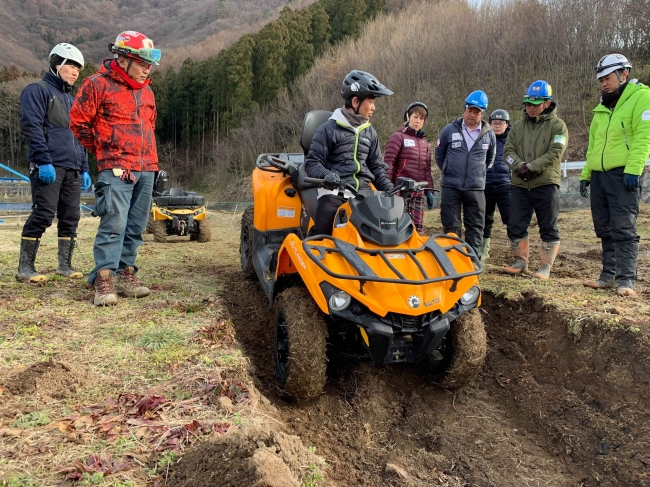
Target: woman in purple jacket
408,154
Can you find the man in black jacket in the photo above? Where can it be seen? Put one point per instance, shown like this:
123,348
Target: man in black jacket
346,149
58,169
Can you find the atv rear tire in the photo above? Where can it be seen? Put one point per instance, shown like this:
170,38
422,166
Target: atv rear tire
150,224
464,349
246,243
204,234
299,345
160,231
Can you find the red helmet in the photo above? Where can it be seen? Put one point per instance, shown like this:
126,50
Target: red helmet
134,45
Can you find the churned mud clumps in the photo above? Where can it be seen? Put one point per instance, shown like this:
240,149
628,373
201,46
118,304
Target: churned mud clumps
256,457
50,379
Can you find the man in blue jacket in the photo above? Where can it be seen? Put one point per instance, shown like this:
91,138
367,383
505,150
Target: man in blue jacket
497,181
58,169
464,152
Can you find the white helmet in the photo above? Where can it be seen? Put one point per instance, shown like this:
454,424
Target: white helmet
610,63
67,51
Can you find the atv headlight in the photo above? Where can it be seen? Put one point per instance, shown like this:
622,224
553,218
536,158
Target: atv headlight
470,296
339,301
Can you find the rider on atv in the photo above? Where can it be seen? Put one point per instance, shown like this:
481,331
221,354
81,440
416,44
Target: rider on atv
348,131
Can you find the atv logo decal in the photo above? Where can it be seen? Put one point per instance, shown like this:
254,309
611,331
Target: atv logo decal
383,223
432,302
298,256
395,256
414,302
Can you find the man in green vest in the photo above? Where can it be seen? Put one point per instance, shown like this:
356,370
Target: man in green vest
619,145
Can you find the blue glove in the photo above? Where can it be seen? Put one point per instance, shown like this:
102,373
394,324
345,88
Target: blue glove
46,173
584,192
631,182
85,181
429,200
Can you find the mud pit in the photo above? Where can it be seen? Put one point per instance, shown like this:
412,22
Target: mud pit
546,410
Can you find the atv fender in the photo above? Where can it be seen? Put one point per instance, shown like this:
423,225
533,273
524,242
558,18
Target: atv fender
293,259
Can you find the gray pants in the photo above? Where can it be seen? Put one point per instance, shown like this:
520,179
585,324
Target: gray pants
614,211
472,204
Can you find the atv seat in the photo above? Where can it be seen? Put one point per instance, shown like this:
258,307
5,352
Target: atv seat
178,197
309,192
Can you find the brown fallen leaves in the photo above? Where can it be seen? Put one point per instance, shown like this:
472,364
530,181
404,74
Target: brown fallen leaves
144,417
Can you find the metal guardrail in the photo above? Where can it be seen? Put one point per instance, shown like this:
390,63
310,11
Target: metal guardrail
569,166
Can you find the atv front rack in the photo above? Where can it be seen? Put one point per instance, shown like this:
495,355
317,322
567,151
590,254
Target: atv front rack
365,274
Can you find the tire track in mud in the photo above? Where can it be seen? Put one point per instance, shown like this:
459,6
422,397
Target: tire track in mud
544,411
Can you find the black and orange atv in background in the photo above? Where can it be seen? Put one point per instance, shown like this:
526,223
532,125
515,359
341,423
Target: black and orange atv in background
375,288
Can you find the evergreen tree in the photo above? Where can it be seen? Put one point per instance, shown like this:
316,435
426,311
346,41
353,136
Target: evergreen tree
268,61
320,28
374,7
299,55
346,17
88,70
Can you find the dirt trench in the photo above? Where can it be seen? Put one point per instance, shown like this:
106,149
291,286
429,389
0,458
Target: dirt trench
552,407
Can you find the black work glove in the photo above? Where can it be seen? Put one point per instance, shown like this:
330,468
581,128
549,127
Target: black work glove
429,200
331,180
525,173
584,192
631,182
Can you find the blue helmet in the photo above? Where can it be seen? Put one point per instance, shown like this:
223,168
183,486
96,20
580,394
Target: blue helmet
540,91
477,99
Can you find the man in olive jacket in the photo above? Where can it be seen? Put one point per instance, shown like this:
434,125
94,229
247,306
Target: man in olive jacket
533,151
619,144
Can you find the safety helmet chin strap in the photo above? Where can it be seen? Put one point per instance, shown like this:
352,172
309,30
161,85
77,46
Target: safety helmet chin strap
59,68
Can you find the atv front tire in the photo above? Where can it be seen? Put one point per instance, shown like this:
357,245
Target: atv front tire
299,345
464,349
204,234
246,243
160,231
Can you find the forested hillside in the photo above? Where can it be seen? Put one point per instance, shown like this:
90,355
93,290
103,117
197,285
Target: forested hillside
439,51
185,28
200,104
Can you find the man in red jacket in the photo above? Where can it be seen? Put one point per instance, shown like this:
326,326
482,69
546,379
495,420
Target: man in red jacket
408,155
114,116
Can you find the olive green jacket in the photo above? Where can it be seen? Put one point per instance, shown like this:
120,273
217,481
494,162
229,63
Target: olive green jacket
540,142
620,137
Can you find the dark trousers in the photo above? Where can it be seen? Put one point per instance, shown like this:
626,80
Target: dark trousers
496,196
328,204
614,211
60,198
544,201
472,204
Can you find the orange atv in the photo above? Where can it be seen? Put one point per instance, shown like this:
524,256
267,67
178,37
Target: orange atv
375,288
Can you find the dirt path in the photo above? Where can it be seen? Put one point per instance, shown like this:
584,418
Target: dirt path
556,405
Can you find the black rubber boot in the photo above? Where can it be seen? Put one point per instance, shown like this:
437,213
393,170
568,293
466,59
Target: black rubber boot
26,267
66,248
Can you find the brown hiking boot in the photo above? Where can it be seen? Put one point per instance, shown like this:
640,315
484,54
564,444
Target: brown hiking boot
625,291
599,284
127,284
104,288
547,254
520,252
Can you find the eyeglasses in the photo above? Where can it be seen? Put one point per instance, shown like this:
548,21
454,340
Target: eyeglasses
498,122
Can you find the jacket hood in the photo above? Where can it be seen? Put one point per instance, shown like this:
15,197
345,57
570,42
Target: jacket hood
108,70
550,112
55,81
340,119
631,87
